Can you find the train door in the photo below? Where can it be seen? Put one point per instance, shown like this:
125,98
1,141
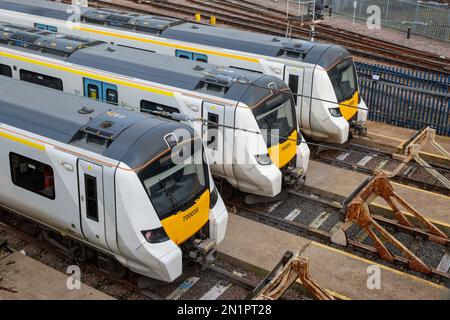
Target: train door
294,77
212,133
101,91
93,89
90,182
109,92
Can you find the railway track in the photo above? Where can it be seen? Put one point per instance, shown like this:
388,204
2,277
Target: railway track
198,282
260,20
369,160
320,219
334,31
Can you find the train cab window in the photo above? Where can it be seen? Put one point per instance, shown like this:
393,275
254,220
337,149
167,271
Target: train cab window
111,96
32,175
213,121
45,27
90,184
93,91
41,79
149,107
5,70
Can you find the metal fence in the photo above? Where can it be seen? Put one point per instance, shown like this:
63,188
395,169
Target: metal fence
405,98
426,19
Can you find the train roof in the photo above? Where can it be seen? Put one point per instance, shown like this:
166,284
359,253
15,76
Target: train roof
322,54
325,55
129,137
228,83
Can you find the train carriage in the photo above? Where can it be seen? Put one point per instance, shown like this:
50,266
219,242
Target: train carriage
247,119
107,179
324,77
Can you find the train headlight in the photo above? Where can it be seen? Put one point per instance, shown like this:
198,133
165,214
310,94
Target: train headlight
156,235
214,198
335,112
263,159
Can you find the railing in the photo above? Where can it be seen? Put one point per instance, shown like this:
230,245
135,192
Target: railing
426,19
405,98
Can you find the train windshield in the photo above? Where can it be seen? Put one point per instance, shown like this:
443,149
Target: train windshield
276,118
343,78
174,185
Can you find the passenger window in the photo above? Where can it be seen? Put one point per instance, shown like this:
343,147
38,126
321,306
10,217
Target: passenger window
184,54
41,79
246,69
32,175
213,119
200,57
148,107
5,70
45,27
93,91
111,96
90,184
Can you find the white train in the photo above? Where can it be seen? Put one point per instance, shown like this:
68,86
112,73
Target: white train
248,120
323,75
106,178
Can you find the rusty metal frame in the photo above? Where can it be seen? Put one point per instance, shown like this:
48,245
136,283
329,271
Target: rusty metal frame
411,148
358,212
293,268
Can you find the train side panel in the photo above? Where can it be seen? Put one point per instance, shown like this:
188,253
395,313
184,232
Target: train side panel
49,166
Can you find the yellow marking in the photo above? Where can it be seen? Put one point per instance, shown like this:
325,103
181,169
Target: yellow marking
22,141
349,107
433,155
166,44
281,154
84,73
387,137
333,293
403,274
402,141
183,225
338,295
420,190
437,223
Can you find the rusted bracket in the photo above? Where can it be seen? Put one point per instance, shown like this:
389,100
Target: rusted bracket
293,268
358,211
411,148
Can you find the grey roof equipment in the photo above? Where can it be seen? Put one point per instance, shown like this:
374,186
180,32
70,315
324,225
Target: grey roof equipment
228,83
41,40
126,136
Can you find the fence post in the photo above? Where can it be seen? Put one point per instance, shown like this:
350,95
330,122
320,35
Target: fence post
387,10
448,26
416,16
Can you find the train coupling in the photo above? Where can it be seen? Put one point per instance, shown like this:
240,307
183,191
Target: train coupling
358,128
294,177
203,251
